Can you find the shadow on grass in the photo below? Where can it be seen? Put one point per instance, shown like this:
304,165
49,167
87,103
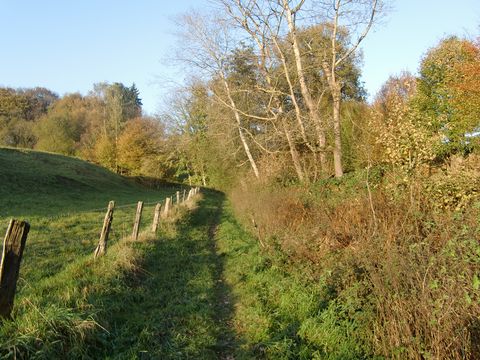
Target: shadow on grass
177,305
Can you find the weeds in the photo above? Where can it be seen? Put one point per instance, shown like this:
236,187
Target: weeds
400,284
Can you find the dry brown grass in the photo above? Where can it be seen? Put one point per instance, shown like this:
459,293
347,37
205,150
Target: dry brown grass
419,266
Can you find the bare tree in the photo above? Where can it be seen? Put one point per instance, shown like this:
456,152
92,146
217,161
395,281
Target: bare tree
264,31
207,45
357,18
290,15
264,20
298,61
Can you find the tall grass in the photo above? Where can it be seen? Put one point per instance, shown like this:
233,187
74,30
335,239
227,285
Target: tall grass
57,313
402,275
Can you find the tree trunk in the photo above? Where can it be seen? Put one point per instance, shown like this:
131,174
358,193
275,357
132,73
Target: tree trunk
335,88
312,108
240,132
337,133
293,152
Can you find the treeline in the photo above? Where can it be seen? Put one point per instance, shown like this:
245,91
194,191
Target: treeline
276,94
377,202
106,126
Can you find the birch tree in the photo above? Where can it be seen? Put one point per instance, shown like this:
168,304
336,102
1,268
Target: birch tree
264,22
207,45
356,17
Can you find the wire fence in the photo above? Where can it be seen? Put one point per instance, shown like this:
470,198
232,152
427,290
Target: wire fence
123,206
74,234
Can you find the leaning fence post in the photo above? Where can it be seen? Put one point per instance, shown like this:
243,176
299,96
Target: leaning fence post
167,206
156,217
13,246
138,217
107,223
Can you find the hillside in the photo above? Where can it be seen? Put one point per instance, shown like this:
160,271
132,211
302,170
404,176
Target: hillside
210,286
64,200
38,183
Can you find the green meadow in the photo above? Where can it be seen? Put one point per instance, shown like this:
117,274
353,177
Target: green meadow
198,289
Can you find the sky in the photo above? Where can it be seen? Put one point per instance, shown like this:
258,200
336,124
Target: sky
68,45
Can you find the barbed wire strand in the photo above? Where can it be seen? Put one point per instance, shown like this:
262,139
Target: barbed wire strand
69,214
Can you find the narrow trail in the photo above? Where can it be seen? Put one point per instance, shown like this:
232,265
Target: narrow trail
178,305
224,303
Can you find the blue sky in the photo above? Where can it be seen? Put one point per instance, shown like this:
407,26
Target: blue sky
68,45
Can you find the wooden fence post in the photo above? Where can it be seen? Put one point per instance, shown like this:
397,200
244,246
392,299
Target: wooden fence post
178,198
138,217
167,207
107,223
156,217
13,246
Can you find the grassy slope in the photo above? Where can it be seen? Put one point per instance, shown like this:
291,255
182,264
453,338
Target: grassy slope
57,194
282,309
177,306
35,183
201,290
64,199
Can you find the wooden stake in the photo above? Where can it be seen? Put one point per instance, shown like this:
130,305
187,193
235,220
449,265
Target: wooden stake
107,223
138,217
178,198
13,246
167,207
156,217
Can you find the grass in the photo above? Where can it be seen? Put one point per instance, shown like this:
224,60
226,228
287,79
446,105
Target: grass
177,306
39,184
283,310
199,289
157,298
65,199
392,276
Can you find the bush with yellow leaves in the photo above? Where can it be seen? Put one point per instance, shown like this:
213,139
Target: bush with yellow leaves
456,186
405,142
